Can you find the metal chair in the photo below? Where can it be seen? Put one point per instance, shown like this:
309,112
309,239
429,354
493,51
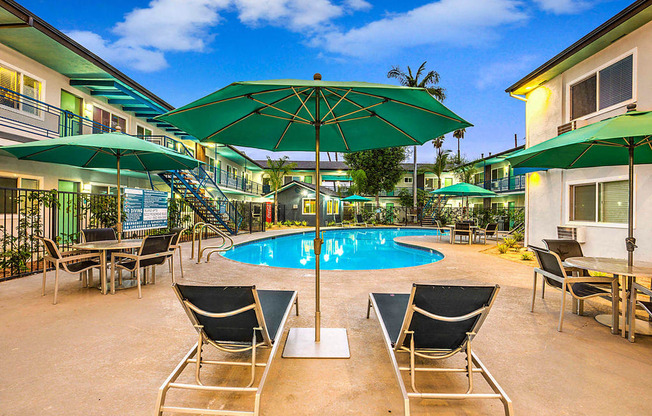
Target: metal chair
98,234
154,251
580,288
442,230
489,231
461,229
634,302
238,320
174,246
435,322
73,261
359,220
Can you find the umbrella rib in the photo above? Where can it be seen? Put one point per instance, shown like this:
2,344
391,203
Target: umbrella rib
303,103
405,104
338,119
580,155
290,123
644,141
375,115
334,121
277,109
41,151
179,111
91,158
330,110
285,118
604,143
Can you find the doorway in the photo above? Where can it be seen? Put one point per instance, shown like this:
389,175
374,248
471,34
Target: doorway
68,218
69,121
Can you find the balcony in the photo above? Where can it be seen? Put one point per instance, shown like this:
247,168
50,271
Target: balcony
507,184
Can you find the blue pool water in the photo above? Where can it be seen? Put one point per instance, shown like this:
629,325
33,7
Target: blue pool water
345,249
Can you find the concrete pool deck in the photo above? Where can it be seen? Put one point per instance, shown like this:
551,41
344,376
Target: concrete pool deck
107,355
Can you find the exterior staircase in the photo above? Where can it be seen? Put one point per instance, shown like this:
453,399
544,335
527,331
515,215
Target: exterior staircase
199,190
432,209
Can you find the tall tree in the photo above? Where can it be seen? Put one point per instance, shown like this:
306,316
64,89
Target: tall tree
438,143
381,166
359,179
440,166
459,134
276,170
429,81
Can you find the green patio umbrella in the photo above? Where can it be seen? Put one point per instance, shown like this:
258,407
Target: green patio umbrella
107,150
356,198
464,189
315,115
619,140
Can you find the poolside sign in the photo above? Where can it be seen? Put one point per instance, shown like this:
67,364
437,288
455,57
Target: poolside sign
145,209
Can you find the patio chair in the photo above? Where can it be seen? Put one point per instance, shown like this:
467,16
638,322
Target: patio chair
580,288
462,229
435,322
98,234
154,251
73,261
634,302
235,320
176,246
442,230
359,220
489,231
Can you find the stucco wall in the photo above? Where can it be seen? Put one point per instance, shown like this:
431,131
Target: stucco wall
547,192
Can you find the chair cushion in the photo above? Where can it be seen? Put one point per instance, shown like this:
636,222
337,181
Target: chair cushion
131,264
587,289
81,265
274,303
391,308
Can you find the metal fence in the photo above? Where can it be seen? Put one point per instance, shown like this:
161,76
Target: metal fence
26,214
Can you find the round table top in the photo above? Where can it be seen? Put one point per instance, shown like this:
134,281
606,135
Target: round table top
109,244
611,266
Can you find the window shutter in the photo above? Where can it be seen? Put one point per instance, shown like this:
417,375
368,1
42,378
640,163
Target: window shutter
583,97
616,83
584,202
614,201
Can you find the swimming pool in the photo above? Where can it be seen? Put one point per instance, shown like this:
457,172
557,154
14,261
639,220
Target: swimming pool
345,249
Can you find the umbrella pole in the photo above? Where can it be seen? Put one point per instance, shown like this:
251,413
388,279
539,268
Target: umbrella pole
318,240
630,241
119,224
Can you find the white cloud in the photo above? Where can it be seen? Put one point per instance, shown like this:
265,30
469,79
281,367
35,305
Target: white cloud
451,22
357,4
564,6
498,73
295,15
137,57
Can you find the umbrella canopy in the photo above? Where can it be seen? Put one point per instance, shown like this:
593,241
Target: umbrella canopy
101,151
464,189
619,140
107,150
356,198
285,114
280,115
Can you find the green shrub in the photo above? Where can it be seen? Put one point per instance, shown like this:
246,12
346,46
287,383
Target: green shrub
331,224
503,248
287,223
518,236
305,223
526,255
510,242
297,223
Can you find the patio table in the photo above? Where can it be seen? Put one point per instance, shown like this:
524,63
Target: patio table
473,228
627,275
102,247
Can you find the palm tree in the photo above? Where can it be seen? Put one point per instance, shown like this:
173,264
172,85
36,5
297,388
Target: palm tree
459,134
276,170
430,82
440,166
438,143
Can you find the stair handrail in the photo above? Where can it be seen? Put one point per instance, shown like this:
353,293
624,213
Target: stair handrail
225,245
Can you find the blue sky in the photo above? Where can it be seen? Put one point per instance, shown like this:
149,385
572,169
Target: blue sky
185,49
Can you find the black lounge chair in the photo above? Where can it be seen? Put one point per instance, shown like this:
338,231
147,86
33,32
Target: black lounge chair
580,288
233,319
436,322
359,220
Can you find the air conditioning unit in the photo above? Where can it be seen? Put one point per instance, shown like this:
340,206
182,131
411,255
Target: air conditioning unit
571,233
575,124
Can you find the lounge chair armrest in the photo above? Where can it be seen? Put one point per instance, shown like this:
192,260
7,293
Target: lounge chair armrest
124,255
82,257
156,255
591,279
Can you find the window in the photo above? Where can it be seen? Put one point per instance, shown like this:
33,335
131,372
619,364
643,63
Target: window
605,202
22,84
407,179
430,182
29,183
308,206
142,131
448,181
7,197
107,121
307,179
497,174
332,207
478,178
605,88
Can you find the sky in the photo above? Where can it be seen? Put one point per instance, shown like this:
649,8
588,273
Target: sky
185,49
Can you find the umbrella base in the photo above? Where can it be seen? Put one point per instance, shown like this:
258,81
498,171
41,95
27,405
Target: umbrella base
642,327
301,343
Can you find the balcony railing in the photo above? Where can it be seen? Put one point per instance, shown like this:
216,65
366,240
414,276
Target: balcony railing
229,180
507,184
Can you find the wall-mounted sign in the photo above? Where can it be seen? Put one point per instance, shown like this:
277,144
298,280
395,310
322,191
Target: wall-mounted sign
145,209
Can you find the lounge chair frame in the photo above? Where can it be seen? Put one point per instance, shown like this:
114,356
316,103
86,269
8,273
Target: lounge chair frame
474,365
194,356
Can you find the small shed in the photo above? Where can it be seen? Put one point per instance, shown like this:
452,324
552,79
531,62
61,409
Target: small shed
299,201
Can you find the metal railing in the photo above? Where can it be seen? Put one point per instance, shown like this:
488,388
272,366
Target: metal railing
225,244
229,180
506,184
30,115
